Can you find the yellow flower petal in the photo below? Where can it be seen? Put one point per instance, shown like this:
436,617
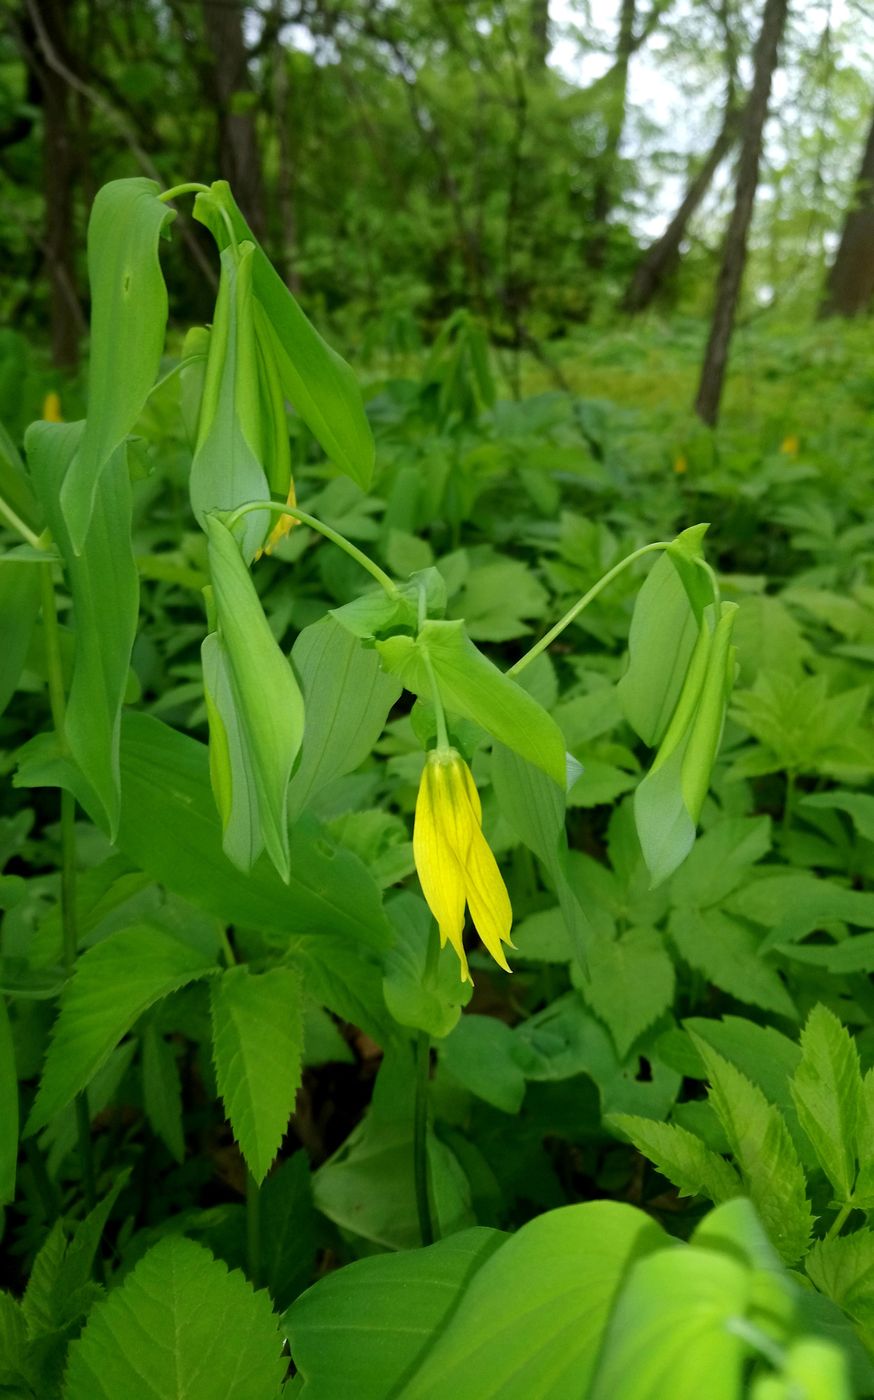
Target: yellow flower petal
439,873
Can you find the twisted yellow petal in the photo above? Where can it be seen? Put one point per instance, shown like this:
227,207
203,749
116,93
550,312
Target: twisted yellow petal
453,859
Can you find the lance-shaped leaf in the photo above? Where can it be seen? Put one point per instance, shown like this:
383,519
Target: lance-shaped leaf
256,712
319,384
472,686
128,321
667,804
661,640
105,589
227,468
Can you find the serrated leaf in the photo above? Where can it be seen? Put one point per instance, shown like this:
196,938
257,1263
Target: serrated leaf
764,1152
114,983
843,1269
827,1092
181,1327
630,983
8,1109
13,1341
863,1193
162,1091
257,1031
681,1157
728,955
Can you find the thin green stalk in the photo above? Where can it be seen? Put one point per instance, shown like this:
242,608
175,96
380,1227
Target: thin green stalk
15,520
253,1229
334,536
442,732
421,1175
191,187
582,603
839,1221
69,932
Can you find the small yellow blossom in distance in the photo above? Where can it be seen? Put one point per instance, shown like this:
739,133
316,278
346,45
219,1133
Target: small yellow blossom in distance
790,445
454,861
680,465
51,408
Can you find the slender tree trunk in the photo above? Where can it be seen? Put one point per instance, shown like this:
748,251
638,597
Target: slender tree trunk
538,35
849,286
734,252
604,195
239,154
59,183
662,256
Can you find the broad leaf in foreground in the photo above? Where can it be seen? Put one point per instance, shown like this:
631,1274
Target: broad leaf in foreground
181,1327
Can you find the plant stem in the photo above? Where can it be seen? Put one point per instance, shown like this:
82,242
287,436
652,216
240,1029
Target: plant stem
253,1229
582,603
839,1221
191,187
334,536
18,524
69,931
421,1174
442,733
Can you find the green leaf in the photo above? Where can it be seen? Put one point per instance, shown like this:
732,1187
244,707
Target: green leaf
13,1342
661,640
843,1269
423,999
8,1108
827,1090
863,1193
472,686
257,1040
105,590
19,606
288,1229
347,697
630,983
319,384
859,806
764,1055
765,1155
812,1368
227,468
253,689
727,953
681,1157
180,1327
532,1318
481,1054
672,1327
114,983
720,861
162,1091
362,1330
128,320
791,904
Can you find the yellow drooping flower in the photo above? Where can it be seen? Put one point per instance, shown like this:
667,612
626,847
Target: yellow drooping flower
453,859
51,408
284,525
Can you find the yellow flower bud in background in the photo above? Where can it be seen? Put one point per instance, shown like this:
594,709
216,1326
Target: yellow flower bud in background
790,445
681,466
455,864
51,408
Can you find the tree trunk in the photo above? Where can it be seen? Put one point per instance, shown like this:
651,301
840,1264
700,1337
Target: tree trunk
662,256
59,182
239,157
538,32
734,252
849,286
604,195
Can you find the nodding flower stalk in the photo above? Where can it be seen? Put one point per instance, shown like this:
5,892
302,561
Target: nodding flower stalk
455,864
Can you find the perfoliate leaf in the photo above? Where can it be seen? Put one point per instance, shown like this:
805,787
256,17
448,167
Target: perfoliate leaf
114,983
472,686
761,1145
257,1041
827,1091
681,1157
661,640
319,384
180,1327
257,712
630,983
128,320
105,588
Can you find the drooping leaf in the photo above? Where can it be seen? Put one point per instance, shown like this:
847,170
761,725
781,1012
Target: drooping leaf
128,320
827,1090
180,1327
257,1040
764,1152
114,983
680,1156
105,589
